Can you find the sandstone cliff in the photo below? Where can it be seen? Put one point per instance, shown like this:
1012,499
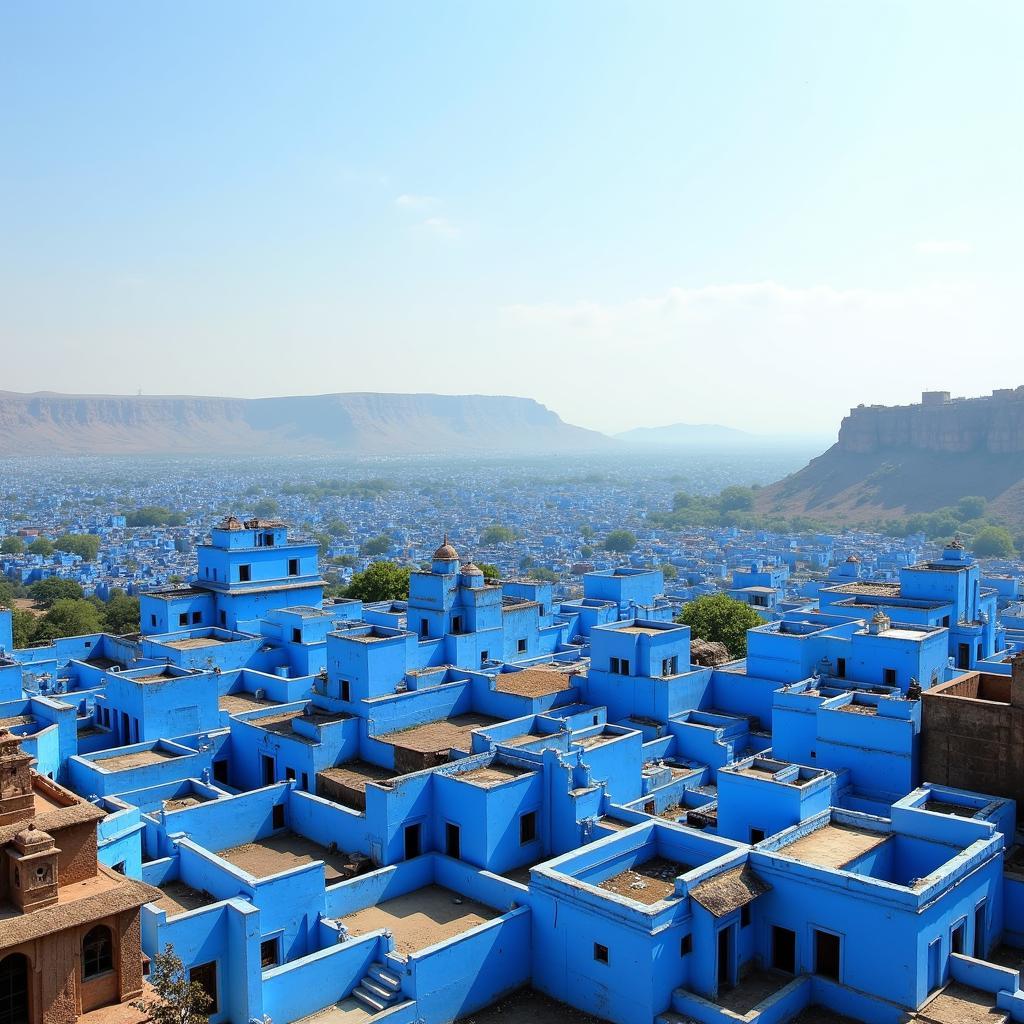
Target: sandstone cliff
358,423
916,458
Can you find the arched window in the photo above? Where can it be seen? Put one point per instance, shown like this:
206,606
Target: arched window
97,952
14,989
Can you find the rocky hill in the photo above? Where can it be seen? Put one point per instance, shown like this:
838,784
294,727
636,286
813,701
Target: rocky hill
914,458
356,423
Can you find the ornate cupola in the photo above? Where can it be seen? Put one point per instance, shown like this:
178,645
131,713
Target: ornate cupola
33,869
445,560
17,802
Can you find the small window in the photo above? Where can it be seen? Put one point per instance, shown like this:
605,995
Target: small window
889,676
293,567
600,953
624,666
945,620
197,617
346,690
456,623
296,635
244,573
206,977
119,867
305,782
97,952
277,817
521,646
152,620
424,627
745,915
485,656
756,835
840,668
183,619
289,774
649,807
223,618
542,609
613,666
527,828
268,953
686,945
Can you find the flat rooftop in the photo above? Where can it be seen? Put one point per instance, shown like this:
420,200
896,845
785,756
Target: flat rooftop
833,845
530,1007
285,851
194,643
491,775
282,724
650,882
422,918
441,735
533,682
753,988
356,774
236,703
136,759
178,898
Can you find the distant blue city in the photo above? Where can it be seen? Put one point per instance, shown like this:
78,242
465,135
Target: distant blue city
525,771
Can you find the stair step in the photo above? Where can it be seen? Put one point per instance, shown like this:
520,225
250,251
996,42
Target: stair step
387,978
367,999
377,990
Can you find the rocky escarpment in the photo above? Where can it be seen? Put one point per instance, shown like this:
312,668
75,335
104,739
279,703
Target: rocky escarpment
916,458
357,423
994,423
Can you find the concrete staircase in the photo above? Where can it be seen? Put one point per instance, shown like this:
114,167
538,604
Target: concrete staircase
379,989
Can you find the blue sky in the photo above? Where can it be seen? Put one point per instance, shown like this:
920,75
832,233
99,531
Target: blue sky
754,213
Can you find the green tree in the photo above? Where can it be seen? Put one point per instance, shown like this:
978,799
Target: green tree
380,581
177,999
620,541
266,509
121,614
736,499
154,515
86,545
45,592
722,618
490,571
586,531
41,546
379,545
993,542
971,506
669,571
68,617
24,625
338,528
545,575
498,534
12,546
586,551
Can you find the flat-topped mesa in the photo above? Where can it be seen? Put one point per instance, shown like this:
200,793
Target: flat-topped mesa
939,423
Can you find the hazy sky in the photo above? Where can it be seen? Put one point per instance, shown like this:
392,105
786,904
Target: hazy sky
754,213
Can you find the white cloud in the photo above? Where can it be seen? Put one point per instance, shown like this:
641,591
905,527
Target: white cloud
408,201
441,226
943,247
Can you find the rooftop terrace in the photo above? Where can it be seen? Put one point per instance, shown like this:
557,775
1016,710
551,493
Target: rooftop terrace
285,851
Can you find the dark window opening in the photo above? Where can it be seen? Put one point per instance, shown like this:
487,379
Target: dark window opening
826,954
724,958
649,807
346,690
963,656
293,567
14,989
244,573
521,646
197,617
980,945
456,623
945,620
412,841
485,656
119,867
296,635
600,953
305,782
97,952
268,953
624,666
277,816
206,977
889,676
756,835
840,668
152,620
223,618
289,774
613,666
220,771
527,828
745,915
267,769
424,627
686,945
183,619
784,950
452,840
956,938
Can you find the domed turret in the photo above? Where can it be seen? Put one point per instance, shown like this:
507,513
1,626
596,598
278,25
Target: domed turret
472,575
446,559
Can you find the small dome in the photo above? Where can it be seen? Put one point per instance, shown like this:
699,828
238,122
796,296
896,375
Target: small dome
446,553
469,569
853,558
